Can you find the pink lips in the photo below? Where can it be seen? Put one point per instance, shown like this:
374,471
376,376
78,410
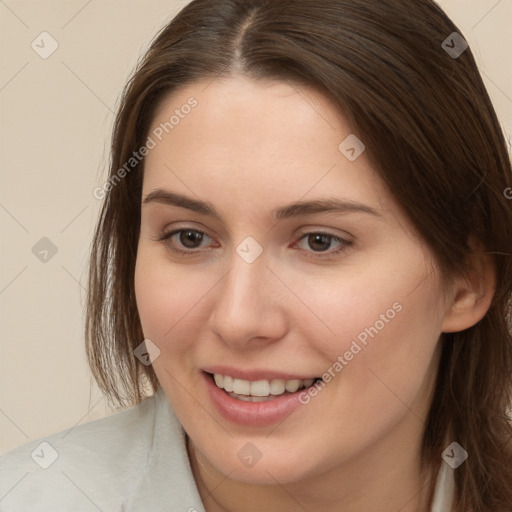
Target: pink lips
251,413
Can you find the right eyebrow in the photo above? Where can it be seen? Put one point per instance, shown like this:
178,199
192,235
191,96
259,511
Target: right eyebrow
172,199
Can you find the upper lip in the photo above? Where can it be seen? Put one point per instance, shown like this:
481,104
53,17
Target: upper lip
255,374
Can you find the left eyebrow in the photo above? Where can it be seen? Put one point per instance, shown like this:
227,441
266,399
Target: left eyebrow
302,208
323,206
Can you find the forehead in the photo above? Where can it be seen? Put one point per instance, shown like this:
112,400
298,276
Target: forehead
238,106
253,141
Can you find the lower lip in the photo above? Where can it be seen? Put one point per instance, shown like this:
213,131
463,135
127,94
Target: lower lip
251,413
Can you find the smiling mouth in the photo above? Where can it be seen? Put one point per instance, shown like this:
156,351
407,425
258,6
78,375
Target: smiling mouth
260,390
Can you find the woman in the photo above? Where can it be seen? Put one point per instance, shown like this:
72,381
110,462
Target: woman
304,252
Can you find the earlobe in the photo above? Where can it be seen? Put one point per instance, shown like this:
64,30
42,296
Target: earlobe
473,294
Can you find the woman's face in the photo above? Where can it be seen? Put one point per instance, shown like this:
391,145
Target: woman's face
293,262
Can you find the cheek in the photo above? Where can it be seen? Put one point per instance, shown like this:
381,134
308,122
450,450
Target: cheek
380,373
169,300
383,305
377,336
387,363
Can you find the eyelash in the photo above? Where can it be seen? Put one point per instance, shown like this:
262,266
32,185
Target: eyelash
345,244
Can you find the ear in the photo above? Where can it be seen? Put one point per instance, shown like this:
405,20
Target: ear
472,295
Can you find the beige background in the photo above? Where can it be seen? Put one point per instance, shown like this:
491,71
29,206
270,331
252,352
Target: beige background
56,115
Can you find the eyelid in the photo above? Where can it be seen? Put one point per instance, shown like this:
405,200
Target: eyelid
184,226
309,230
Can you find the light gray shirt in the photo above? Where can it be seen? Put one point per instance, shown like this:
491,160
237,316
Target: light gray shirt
132,461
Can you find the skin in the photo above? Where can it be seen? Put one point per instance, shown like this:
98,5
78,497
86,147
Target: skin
247,148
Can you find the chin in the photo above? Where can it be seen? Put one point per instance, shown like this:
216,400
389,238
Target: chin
274,468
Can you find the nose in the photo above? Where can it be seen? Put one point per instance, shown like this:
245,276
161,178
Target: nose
247,309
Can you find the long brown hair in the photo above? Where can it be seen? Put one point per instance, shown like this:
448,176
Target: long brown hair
431,133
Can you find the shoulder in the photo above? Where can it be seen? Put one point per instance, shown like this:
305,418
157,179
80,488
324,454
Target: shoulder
98,464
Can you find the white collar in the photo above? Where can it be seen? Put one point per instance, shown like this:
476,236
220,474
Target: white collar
445,489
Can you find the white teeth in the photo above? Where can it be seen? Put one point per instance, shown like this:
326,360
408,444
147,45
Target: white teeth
277,387
260,388
292,385
256,391
228,383
245,398
241,387
219,380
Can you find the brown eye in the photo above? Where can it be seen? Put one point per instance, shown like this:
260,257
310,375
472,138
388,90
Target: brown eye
322,245
185,241
191,238
319,242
